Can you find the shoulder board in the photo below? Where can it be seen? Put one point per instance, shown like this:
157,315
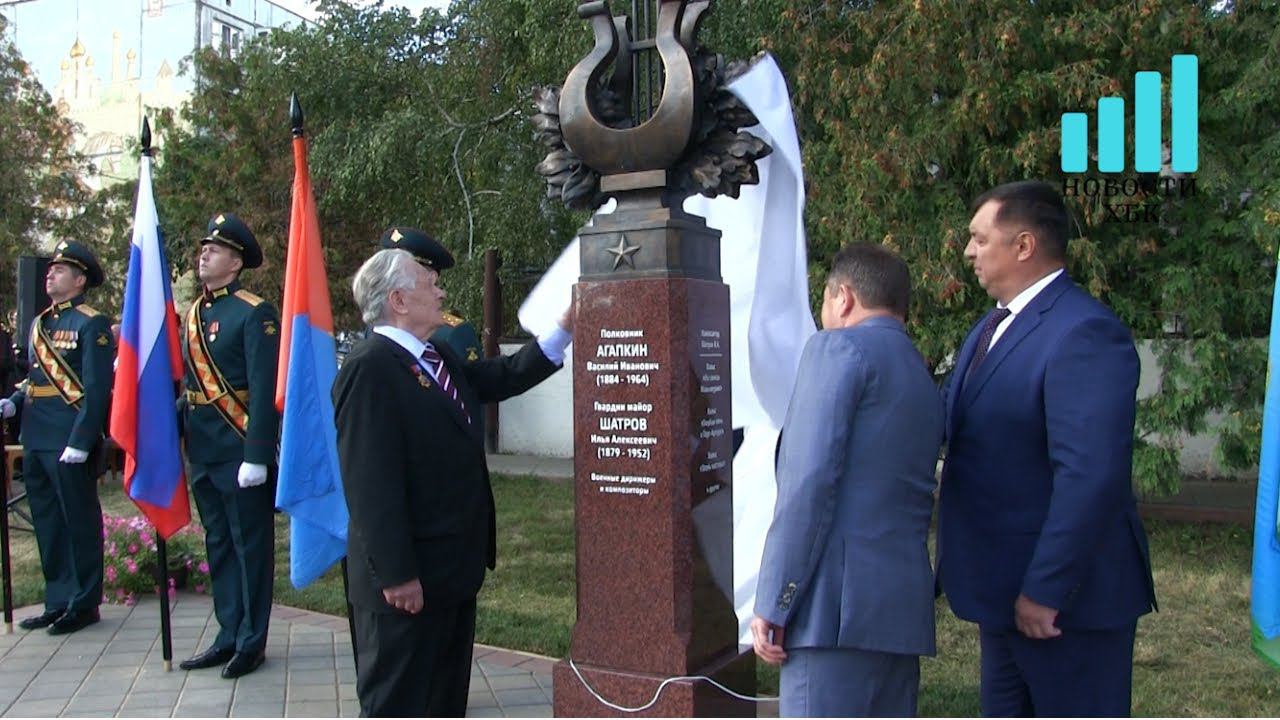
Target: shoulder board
245,295
452,320
87,310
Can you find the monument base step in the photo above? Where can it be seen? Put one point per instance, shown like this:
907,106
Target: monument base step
682,698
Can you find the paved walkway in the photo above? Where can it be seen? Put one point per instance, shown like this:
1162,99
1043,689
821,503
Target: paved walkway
115,668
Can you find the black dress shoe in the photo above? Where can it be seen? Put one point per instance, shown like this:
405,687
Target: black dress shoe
40,621
243,664
207,659
73,620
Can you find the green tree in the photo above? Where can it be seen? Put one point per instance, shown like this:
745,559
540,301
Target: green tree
906,111
411,120
911,109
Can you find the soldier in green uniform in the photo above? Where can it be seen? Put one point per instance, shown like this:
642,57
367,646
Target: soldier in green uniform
64,413
460,335
230,346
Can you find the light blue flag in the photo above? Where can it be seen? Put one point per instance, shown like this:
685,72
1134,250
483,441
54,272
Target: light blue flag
1266,534
310,487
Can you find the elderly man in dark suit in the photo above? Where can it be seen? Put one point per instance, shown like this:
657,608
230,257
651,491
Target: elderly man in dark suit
413,466
1039,540
845,596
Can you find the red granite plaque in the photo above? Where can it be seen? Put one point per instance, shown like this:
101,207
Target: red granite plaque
654,512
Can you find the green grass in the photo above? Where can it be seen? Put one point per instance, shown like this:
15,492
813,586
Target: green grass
1191,659
528,604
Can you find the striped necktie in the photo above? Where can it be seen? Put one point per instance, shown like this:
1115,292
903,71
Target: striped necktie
442,376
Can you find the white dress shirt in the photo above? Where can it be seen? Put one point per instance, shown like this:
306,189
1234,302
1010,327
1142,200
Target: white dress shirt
553,345
1019,303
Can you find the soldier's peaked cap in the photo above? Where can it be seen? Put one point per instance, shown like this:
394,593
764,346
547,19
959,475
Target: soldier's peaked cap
229,230
425,249
69,252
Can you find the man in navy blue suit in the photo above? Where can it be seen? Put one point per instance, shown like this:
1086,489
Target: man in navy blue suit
845,596
1039,539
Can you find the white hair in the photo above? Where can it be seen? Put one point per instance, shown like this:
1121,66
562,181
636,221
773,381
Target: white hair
386,271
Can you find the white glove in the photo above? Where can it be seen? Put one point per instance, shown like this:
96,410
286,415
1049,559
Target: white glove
72,456
7,409
252,475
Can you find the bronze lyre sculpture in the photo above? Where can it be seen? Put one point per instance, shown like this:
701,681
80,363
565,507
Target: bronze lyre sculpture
606,136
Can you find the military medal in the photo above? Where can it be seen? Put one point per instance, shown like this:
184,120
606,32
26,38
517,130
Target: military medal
422,377
213,331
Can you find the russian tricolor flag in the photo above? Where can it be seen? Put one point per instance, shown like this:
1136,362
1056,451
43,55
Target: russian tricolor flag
144,418
310,486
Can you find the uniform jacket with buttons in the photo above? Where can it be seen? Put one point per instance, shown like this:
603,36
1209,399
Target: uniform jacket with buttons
82,337
846,559
242,333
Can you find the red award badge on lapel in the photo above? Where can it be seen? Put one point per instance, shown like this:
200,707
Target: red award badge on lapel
423,380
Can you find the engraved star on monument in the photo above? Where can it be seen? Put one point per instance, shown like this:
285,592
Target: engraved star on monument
623,252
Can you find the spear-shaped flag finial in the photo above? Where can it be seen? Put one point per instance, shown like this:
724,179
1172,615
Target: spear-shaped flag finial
295,114
146,136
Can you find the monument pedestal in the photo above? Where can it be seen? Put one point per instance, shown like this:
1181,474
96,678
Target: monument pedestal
653,453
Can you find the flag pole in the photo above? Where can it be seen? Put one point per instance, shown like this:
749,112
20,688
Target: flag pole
5,565
162,577
162,558
297,125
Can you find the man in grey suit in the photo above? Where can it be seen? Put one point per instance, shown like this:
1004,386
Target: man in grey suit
845,597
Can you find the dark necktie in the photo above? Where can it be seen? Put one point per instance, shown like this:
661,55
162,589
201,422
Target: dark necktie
996,317
442,376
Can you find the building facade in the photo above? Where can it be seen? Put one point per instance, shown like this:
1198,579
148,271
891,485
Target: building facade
107,62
